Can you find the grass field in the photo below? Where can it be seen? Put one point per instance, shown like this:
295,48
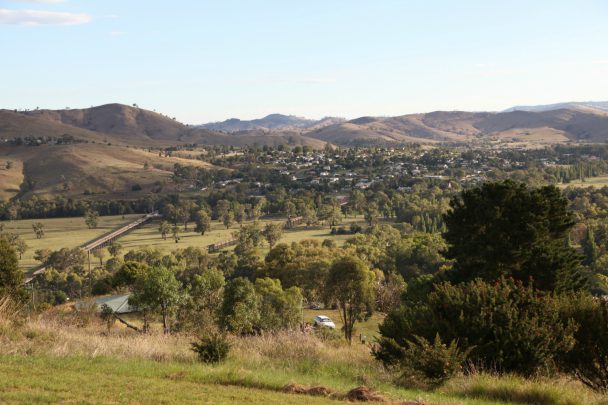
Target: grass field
600,181
148,235
72,232
60,233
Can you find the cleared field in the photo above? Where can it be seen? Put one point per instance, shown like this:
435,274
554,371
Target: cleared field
72,232
600,181
60,233
148,235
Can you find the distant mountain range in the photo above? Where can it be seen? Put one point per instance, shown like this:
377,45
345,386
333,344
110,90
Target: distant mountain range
591,106
272,122
125,125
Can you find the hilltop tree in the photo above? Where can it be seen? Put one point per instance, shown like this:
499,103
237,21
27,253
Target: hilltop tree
506,229
350,283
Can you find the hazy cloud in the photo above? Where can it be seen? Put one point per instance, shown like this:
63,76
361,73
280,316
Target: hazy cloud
118,33
41,17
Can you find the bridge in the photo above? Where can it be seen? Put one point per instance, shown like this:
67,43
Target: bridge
106,239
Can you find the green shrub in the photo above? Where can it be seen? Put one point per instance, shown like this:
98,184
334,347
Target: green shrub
212,349
508,326
435,362
588,360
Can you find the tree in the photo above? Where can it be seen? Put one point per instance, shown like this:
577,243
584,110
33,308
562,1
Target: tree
202,221
273,232
38,228
42,255
11,277
239,312
114,248
239,214
20,247
91,218
176,231
221,208
199,309
99,253
157,290
227,218
164,228
371,213
279,309
506,229
350,284
310,216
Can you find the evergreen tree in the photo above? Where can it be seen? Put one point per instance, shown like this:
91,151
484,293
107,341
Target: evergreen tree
505,229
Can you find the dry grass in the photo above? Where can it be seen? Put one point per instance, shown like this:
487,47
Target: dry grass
65,340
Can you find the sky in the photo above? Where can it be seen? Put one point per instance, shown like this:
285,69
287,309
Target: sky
203,61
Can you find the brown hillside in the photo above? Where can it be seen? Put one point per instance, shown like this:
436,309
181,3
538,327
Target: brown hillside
70,170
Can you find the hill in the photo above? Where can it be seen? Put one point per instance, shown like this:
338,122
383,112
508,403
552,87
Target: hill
271,122
553,126
132,126
589,106
75,169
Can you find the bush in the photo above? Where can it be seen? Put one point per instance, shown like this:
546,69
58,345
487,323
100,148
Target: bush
212,349
588,360
435,362
509,327
355,228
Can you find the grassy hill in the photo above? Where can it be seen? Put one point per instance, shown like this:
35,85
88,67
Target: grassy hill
72,170
554,126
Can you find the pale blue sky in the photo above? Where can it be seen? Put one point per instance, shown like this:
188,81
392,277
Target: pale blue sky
210,60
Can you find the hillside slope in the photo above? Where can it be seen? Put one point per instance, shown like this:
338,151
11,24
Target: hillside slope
73,170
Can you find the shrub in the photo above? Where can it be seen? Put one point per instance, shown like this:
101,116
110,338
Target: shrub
588,360
508,326
212,349
435,362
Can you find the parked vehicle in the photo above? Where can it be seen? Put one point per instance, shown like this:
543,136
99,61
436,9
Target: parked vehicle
322,320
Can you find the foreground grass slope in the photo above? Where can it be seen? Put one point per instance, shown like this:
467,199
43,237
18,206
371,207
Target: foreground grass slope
63,357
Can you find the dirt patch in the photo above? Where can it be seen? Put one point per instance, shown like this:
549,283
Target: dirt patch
318,390
364,394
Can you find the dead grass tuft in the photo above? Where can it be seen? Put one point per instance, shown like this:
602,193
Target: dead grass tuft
364,394
318,390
